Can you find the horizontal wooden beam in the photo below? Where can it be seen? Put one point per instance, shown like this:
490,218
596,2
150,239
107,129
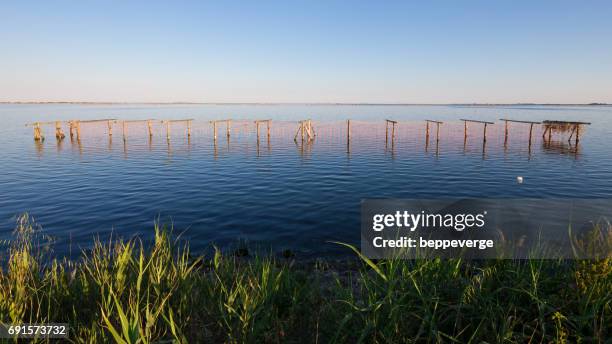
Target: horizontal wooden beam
390,121
476,121
565,122
94,120
138,120
176,120
517,121
432,121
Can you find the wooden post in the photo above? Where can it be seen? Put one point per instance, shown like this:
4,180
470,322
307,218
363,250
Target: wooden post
78,130
577,134
150,127
484,134
110,127
348,131
530,132
228,123
549,134
168,130
189,128
215,131
59,133
393,134
71,128
427,132
386,133
268,126
464,131
437,133
257,126
124,131
506,134
37,132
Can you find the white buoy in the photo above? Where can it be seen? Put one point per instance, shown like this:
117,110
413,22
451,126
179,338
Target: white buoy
519,180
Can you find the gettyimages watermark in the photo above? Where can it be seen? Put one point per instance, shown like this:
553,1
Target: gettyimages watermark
486,228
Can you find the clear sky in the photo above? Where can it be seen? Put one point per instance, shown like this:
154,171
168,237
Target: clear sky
307,51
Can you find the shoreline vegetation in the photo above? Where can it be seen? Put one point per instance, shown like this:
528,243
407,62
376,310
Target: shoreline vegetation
126,292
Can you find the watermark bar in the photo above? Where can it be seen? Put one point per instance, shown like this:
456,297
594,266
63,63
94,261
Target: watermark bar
486,228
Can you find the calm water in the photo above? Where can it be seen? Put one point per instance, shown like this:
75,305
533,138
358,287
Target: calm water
278,194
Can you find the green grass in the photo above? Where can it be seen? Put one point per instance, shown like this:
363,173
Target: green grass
126,292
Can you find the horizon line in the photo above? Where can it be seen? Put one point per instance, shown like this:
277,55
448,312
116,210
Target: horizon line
299,103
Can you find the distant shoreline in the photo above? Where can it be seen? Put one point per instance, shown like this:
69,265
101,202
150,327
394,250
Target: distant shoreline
275,103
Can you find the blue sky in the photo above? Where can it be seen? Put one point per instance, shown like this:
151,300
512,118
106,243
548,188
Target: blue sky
307,51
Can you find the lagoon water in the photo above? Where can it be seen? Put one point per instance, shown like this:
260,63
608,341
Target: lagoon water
278,194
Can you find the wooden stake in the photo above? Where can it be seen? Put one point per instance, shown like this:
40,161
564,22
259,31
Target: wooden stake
150,127
124,131
110,128
268,126
78,130
59,133
530,133
215,131
506,134
348,131
484,134
168,130
427,132
189,128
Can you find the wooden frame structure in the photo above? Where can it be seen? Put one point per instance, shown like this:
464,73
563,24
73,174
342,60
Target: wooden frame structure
393,123
228,123
305,128
149,126
168,121
531,123
267,121
484,133
561,126
437,130
38,135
